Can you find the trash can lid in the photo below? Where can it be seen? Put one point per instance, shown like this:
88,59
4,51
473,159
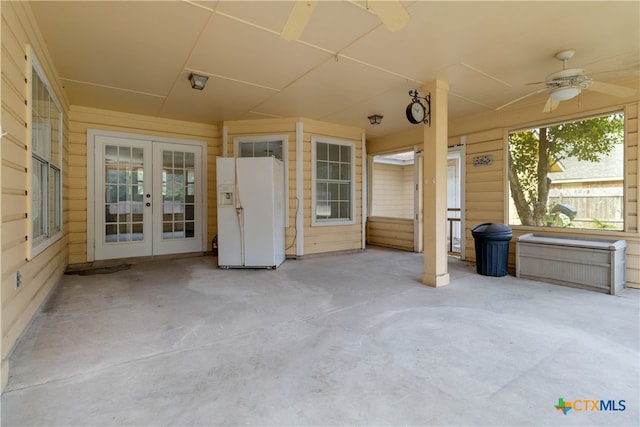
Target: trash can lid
490,229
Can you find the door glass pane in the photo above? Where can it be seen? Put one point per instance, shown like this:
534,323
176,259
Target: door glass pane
136,229
111,232
123,194
124,232
167,159
190,231
189,161
178,205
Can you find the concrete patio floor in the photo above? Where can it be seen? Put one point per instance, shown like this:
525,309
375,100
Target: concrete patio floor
330,340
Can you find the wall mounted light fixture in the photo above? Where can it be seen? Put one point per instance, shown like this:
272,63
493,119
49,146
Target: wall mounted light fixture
197,81
375,119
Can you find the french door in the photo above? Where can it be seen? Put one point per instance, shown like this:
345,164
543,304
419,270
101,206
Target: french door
147,197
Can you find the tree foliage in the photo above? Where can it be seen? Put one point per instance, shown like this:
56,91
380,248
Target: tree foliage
533,152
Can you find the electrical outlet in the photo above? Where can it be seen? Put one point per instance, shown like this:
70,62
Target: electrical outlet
18,279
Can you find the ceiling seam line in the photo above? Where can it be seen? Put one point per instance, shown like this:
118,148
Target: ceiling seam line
328,51
188,57
113,87
473,101
201,6
384,70
291,83
243,21
487,75
219,76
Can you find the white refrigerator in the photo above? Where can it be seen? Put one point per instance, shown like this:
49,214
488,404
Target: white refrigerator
250,212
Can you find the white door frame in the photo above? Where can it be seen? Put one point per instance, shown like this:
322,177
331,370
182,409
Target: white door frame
418,202
458,151
91,135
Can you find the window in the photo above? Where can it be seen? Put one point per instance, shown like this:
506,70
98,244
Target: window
333,182
569,174
260,147
46,162
267,146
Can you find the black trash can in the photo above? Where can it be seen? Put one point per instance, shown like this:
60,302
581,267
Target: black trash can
492,248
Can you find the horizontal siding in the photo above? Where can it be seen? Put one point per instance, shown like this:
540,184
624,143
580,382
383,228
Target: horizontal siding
392,190
484,185
632,178
40,274
486,194
320,239
265,127
391,232
317,239
84,118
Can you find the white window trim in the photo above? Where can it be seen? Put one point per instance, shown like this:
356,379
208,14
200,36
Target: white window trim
285,160
557,121
41,243
323,223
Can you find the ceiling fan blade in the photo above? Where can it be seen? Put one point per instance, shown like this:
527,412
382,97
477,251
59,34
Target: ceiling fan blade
521,98
298,19
392,13
611,89
551,105
623,72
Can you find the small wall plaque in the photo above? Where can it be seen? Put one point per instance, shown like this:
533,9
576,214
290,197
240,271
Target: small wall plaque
483,160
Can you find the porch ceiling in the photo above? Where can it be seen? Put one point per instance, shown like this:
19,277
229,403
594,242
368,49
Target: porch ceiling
136,56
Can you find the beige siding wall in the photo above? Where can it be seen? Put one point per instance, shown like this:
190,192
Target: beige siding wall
83,118
485,185
317,239
487,191
632,178
40,274
486,194
392,190
268,127
390,232
3,374
390,221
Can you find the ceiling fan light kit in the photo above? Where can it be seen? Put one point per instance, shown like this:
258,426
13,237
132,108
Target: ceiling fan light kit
568,83
564,93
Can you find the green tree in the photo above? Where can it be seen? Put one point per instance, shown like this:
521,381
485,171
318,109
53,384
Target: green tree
533,152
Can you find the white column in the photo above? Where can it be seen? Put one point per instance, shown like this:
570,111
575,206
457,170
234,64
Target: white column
435,186
225,137
300,189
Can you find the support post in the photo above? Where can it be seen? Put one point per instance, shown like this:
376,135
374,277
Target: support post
435,187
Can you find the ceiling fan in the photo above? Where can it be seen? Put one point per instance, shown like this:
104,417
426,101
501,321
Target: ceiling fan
391,12
569,83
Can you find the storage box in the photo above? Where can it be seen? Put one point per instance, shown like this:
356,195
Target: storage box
593,264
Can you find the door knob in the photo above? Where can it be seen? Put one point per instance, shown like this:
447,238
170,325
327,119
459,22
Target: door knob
148,204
